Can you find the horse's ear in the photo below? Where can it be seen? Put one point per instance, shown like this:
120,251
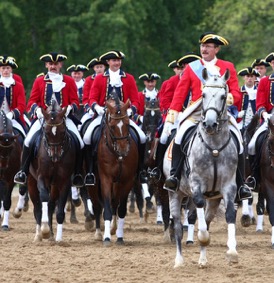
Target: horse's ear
63,111
204,74
226,75
127,104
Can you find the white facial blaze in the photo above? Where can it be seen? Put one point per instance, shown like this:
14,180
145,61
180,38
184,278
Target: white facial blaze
120,125
54,130
152,113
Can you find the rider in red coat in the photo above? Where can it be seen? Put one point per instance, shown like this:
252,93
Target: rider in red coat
192,81
62,88
114,78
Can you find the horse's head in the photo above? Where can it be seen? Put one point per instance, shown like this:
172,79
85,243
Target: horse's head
55,131
214,101
117,122
151,118
7,140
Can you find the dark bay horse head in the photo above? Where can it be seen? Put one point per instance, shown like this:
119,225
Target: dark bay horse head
214,109
55,138
7,140
151,119
117,126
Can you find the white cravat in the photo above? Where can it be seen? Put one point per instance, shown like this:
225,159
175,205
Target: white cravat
7,81
115,78
80,83
57,81
251,92
211,67
151,94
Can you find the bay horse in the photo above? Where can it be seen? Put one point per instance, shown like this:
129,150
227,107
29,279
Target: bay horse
117,166
267,173
49,180
212,162
10,151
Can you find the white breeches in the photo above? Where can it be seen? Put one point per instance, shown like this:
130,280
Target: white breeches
37,126
84,118
97,121
252,143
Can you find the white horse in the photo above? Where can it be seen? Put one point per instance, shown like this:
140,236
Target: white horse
212,159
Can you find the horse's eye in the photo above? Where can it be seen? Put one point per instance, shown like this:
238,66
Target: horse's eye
203,95
223,97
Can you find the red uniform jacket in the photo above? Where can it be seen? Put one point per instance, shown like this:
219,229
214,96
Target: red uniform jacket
161,92
16,98
41,94
98,91
265,98
167,96
87,86
190,81
142,103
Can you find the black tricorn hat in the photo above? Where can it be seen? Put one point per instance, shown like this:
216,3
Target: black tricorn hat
269,57
248,71
210,37
95,61
259,62
8,61
77,68
113,54
188,58
173,64
149,77
53,57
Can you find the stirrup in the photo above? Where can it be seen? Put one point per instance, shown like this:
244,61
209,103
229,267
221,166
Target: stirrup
155,174
172,184
251,182
20,178
90,179
143,177
244,192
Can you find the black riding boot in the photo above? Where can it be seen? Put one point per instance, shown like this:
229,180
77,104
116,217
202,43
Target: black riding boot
244,191
90,178
142,172
160,153
77,180
21,176
172,183
254,179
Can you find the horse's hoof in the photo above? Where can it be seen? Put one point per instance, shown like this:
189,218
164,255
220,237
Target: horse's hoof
120,242
185,227
131,209
68,207
5,228
106,242
17,214
253,221
259,231
245,220
232,256
159,222
188,243
77,202
26,207
74,220
45,231
89,225
150,207
272,246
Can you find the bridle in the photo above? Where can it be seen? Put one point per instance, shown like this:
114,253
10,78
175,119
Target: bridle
56,150
114,138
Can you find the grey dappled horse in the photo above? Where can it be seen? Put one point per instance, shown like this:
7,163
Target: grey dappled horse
212,159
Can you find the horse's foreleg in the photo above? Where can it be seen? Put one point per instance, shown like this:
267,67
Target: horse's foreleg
6,206
17,212
245,219
45,228
107,218
260,208
192,217
175,211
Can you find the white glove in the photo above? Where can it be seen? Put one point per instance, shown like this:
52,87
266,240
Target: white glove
141,119
266,115
39,113
90,112
241,114
99,109
9,115
167,128
69,108
229,99
129,112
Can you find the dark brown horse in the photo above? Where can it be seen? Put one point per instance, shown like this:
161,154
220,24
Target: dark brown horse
117,166
50,173
267,173
10,150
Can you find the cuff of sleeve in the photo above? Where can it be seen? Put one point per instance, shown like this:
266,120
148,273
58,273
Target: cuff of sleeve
33,109
86,107
16,113
134,109
172,116
74,107
260,111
